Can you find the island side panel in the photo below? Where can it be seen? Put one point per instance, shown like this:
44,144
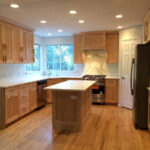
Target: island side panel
66,109
2,109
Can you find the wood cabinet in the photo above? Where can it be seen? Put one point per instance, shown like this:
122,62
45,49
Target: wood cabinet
94,40
24,46
112,47
30,47
11,104
78,49
16,44
111,91
147,26
149,110
33,95
49,83
7,43
24,100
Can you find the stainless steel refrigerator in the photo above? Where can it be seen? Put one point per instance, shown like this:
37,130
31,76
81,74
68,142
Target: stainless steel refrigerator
140,76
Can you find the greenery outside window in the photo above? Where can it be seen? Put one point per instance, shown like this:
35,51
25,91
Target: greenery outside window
60,57
36,65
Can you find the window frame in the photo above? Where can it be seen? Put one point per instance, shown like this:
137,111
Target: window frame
60,57
39,60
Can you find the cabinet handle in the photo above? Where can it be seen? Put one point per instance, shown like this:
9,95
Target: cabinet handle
5,58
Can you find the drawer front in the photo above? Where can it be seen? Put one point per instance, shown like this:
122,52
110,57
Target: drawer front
33,86
111,83
13,91
24,90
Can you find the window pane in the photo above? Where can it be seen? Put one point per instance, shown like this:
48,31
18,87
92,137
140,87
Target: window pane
36,65
67,57
60,57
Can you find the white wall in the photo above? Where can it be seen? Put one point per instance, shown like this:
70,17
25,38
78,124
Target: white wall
133,33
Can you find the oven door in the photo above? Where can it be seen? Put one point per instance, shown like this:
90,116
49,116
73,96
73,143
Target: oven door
98,94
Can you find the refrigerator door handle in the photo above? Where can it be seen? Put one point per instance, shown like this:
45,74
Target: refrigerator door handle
131,76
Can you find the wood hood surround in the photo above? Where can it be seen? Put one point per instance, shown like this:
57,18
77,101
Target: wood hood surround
97,40
147,27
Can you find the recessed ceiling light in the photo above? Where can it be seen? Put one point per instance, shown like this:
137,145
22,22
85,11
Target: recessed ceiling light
119,27
59,30
81,21
14,5
119,16
72,12
49,34
43,21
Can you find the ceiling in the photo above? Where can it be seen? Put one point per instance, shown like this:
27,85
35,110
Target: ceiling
98,14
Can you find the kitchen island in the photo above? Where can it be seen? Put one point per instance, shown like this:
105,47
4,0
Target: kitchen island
71,104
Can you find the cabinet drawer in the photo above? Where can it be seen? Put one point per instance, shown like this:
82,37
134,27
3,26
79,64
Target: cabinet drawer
24,90
12,91
33,86
110,82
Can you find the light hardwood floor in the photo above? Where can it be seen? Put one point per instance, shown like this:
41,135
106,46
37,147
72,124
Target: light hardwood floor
107,128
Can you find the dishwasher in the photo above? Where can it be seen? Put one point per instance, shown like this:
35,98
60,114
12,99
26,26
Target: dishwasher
42,94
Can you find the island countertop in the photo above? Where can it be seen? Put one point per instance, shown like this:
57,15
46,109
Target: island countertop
72,85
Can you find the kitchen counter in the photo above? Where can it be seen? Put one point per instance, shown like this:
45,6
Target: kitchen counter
72,85
72,102
15,82
111,77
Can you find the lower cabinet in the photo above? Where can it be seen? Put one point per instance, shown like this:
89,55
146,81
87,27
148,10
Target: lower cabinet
24,107
149,111
111,91
33,95
49,83
19,101
11,104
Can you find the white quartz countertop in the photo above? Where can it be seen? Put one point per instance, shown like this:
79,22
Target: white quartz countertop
109,77
24,80
72,85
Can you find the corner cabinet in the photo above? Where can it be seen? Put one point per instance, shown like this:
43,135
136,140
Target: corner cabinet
78,49
111,91
16,44
112,47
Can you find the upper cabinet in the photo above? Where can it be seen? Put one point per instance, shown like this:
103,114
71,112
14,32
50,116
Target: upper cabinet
94,40
78,49
98,40
112,47
16,44
147,27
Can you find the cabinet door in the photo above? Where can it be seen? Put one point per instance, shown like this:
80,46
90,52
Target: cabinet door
7,42
1,44
111,91
24,100
149,111
23,45
94,41
112,47
16,44
30,47
33,96
11,104
78,51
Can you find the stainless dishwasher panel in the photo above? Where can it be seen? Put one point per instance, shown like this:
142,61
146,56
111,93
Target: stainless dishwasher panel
42,94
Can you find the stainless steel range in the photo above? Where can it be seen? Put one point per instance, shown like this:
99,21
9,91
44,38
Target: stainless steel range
98,89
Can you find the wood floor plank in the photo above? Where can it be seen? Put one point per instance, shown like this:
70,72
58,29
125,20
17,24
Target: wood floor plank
107,128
